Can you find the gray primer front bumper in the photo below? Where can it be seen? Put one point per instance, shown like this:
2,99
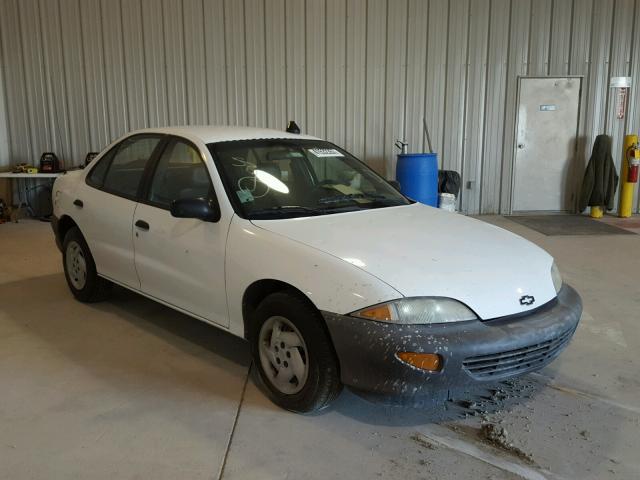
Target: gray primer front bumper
366,349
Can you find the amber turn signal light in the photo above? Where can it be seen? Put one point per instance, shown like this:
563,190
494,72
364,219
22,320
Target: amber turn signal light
424,361
379,312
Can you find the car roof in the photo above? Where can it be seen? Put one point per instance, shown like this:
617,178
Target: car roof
219,133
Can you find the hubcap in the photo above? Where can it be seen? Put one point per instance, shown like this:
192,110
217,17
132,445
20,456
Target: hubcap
76,265
283,355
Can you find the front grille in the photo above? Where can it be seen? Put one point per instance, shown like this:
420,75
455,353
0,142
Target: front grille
505,364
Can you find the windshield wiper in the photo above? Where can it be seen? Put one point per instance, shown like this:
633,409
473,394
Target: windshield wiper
281,210
355,196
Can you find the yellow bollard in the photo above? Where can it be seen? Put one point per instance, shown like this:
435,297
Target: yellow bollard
626,188
596,212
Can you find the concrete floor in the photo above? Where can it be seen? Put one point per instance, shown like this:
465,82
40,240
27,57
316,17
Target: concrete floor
130,389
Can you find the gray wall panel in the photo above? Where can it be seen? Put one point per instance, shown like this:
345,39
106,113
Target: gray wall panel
500,14
560,44
436,71
215,59
336,52
375,83
315,71
518,64
74,78
195,65
414,101
255,48
296,61
579,64
174,57
455,86
52,53
599,69
95,72
633,122
619,66
113,45
76,74
395,83
154,69
35,80
276,64
17,128
4,127
356,76
473,133
540,31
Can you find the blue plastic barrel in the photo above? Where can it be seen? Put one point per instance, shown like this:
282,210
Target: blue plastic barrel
417,174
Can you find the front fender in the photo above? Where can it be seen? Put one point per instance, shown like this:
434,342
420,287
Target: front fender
330,283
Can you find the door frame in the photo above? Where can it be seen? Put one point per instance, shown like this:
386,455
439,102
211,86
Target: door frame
514,134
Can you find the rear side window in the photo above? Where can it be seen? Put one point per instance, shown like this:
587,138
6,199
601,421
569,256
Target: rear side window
180,174
128,164
96,176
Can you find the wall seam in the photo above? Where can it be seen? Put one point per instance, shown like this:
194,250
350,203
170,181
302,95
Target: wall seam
5,103
484,113
465,110
504,114
443,153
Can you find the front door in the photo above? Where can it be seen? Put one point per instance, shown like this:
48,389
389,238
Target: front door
547,126
181,260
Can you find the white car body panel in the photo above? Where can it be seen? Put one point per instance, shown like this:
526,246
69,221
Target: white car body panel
341,262
423,251
181,260
211,134
105,221
332,284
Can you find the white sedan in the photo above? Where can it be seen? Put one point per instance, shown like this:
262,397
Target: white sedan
333,276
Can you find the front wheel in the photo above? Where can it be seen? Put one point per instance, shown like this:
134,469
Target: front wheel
293,353
80,269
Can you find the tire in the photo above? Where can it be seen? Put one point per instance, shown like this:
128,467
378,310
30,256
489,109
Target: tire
80,269
292,316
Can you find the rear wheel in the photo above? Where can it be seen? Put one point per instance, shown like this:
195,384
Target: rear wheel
80,269
293,353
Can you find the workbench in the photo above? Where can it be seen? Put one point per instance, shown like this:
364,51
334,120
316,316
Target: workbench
23,182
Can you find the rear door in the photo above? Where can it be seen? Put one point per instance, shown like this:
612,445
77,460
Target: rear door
105,204
181,260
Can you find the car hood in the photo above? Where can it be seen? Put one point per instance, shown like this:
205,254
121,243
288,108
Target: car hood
423,251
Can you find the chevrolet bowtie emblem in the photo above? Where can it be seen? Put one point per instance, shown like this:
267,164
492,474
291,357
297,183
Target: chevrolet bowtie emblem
527,300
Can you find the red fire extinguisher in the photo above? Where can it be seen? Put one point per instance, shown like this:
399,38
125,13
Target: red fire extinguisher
634,164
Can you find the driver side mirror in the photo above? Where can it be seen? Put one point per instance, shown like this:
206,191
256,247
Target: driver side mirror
203,209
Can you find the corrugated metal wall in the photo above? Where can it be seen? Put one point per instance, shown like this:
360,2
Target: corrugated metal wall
78,73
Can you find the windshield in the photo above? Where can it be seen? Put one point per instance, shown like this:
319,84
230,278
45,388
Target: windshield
284,178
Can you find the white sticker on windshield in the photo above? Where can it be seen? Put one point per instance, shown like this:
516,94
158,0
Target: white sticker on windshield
325,152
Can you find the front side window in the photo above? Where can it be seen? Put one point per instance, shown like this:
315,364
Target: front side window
284,178
180,174
128,164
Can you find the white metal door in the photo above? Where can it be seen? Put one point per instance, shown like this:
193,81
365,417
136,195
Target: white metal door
546,135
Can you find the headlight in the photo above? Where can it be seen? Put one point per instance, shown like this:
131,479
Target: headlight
418,311
556,277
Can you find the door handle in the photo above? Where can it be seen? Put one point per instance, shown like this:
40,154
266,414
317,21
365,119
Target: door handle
78,203
142,225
